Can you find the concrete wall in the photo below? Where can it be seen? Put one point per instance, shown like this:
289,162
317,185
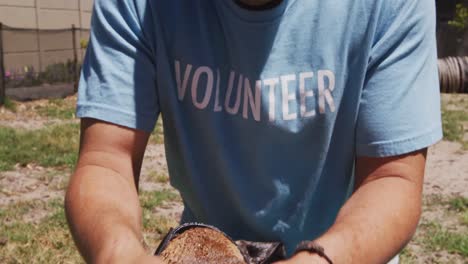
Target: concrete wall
46,14
36,47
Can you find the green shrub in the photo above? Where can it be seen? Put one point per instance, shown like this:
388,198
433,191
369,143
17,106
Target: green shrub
9,104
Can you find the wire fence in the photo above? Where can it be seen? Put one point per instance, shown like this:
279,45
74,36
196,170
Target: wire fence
33,60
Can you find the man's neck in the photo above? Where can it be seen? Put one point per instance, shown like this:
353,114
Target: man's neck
258,4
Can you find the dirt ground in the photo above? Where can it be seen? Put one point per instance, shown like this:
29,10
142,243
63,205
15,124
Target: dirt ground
446,170
446,175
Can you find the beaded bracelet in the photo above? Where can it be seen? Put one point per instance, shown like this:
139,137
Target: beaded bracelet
314,248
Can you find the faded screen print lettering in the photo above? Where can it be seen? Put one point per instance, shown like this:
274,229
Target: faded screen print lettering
205,86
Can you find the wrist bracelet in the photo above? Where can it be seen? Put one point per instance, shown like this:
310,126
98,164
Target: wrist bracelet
314,248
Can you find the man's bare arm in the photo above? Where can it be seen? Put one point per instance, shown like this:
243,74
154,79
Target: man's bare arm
102,203
382,214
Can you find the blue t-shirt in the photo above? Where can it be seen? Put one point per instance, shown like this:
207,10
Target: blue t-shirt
265,111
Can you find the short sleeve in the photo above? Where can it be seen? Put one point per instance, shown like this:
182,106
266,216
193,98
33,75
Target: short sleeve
399,110
118,78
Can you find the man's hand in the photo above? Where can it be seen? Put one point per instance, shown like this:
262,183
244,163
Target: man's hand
304,258
145,259
128,257
101,203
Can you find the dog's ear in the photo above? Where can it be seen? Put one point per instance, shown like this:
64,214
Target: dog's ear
261,252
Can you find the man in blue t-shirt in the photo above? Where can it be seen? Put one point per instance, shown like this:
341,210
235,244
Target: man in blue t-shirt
283,120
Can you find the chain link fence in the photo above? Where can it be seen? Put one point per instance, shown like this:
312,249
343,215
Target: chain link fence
35,63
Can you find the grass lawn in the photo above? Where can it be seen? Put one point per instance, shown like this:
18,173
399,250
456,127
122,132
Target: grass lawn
45,241
35,231
24,240
455,119
49,147
442,236
58,109
453,124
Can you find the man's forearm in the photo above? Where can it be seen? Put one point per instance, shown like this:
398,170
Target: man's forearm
382,214
103,214
374,225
